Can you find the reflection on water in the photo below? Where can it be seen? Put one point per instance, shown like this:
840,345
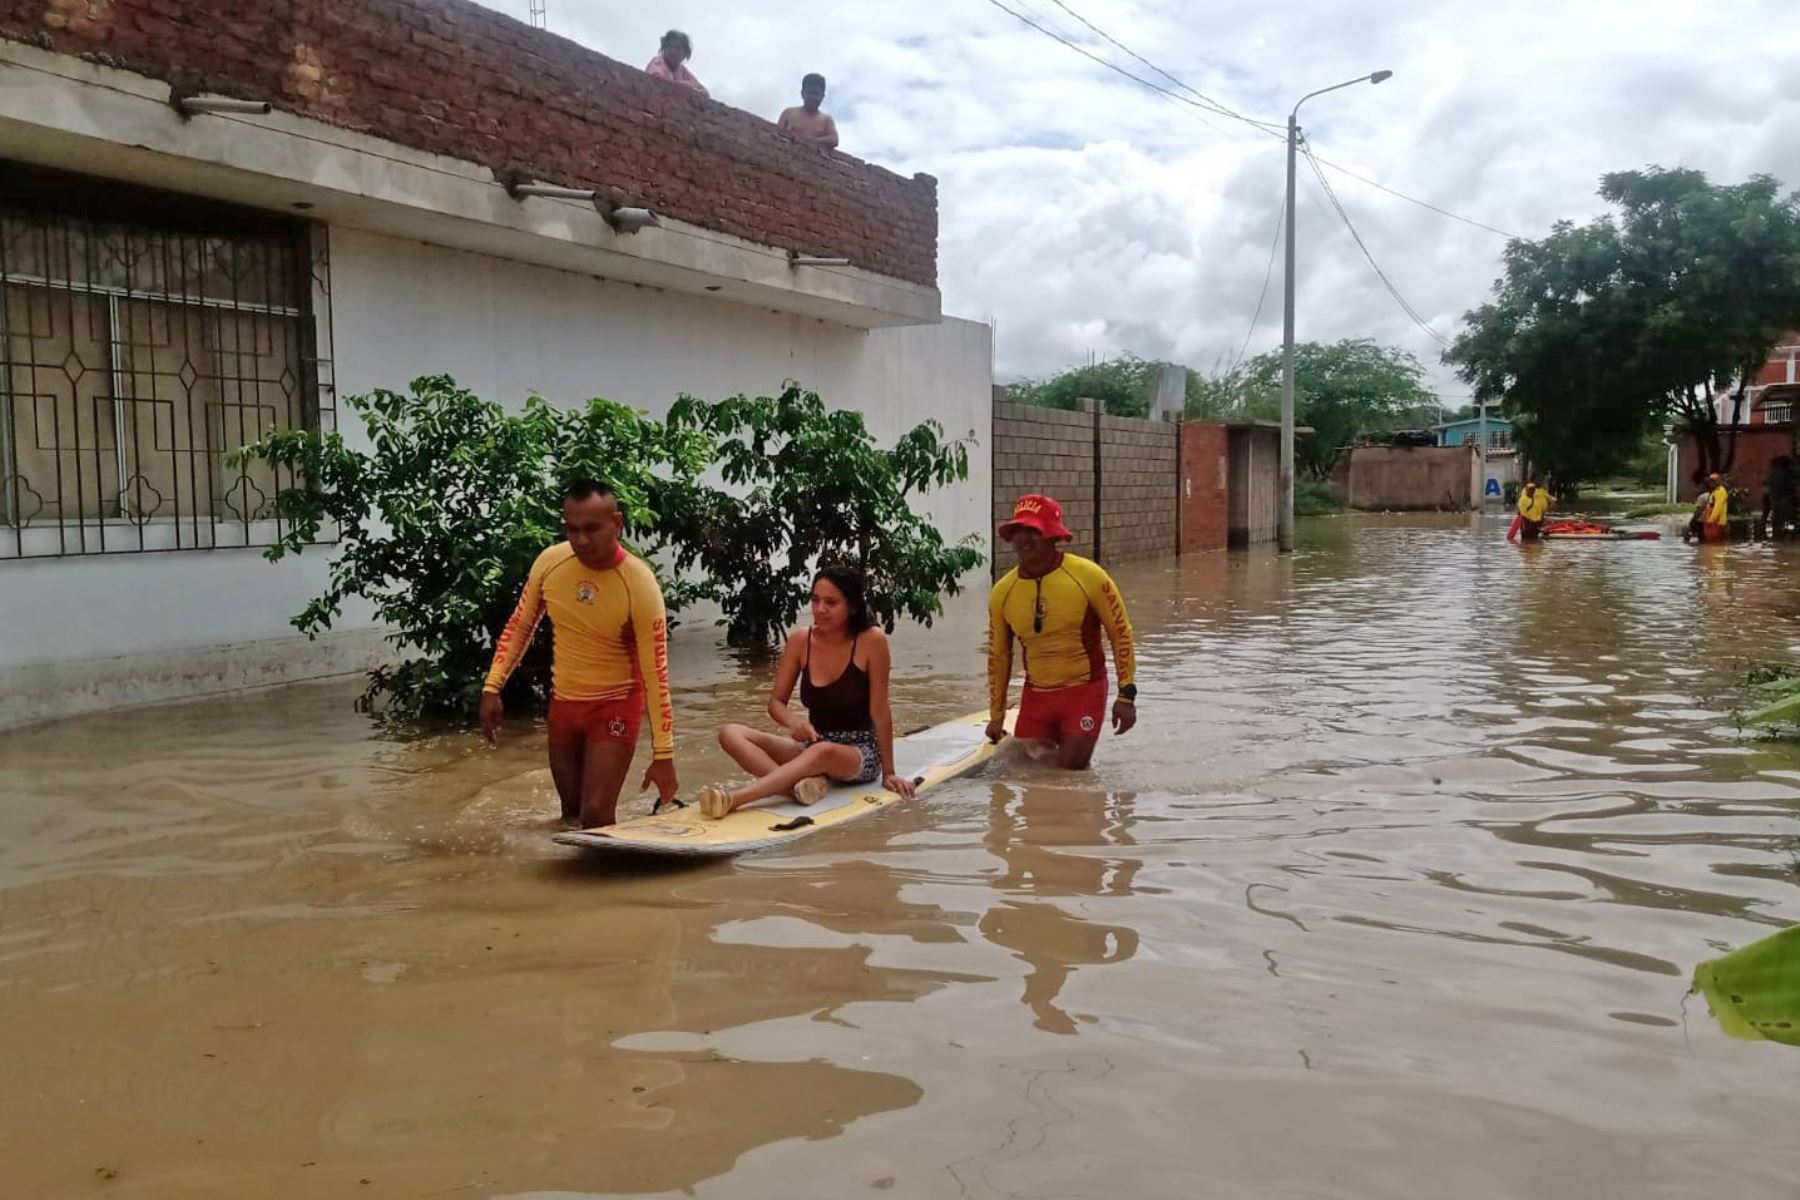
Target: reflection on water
1026,834
1394,892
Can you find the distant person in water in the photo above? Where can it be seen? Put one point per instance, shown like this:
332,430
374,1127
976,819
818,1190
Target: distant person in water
671,61
1534,506
806,122
1696,526
1717,526
1779,496
1056,604
609,660
847,735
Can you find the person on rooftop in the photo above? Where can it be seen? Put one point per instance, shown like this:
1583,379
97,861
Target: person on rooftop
671,61
806,122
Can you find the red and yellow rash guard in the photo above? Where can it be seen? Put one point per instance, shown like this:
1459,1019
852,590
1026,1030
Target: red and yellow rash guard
611,634
1075,601
1718,510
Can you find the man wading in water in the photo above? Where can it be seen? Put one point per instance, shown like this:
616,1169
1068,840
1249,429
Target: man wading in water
1056,604
610,655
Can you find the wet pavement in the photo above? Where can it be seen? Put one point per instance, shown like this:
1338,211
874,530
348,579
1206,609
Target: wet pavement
1394,892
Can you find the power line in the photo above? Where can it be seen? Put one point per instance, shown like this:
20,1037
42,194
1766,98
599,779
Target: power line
1268,273
1114,67
1426,204
1216,106
1270,128
1399,299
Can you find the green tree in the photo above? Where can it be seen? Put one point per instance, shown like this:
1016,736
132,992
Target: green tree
1125,385
1603,332
811,485
1343,390
436,525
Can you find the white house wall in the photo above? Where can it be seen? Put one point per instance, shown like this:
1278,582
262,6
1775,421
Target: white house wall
91,633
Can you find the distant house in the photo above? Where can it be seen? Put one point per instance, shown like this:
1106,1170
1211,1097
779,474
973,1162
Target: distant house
1500,464
1467,432
1769,400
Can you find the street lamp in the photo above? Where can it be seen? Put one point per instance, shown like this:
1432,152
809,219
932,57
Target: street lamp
1284,530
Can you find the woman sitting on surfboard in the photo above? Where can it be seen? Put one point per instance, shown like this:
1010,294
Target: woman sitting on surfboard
847,735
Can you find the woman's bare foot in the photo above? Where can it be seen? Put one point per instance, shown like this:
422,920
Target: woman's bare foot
811,790
715,801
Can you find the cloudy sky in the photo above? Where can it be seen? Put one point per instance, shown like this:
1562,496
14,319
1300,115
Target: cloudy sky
1086,214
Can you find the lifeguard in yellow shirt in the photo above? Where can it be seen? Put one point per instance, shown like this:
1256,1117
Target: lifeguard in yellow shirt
1534,506
610,660
1717,525
1056,604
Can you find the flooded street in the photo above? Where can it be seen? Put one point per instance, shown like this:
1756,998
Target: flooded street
1394,892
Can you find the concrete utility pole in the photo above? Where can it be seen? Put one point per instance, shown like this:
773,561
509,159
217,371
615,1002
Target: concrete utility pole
1482,435
1284,528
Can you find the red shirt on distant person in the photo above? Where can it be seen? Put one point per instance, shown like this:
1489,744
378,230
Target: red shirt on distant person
671,61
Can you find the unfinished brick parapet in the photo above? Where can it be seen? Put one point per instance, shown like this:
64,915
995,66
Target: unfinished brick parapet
453,78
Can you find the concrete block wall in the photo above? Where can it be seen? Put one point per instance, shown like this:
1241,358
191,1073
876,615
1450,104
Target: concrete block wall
1138,480
1413,478
1138,468
1051,452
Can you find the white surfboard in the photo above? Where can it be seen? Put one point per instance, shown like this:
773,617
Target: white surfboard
930,757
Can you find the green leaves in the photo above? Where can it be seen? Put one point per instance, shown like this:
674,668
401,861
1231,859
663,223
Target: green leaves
437,525
1342,390
1754,992
1125,386
810,485
1600,333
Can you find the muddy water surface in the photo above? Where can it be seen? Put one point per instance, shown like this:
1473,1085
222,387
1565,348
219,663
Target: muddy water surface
1394,892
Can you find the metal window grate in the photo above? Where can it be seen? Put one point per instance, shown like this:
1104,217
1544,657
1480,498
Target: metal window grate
144,336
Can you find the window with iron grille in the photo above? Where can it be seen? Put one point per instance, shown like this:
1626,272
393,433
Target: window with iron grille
144,336
1778,412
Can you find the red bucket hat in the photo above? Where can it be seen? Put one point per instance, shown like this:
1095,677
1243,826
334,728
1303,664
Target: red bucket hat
1040,513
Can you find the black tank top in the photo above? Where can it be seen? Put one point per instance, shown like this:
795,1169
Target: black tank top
841,706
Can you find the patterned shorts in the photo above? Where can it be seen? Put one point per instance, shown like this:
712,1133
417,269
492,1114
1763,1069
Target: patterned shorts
865,743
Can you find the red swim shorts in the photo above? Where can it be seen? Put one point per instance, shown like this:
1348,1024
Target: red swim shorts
1065,713
617,720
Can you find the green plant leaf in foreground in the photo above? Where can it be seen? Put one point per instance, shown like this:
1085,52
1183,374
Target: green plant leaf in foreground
1754,992
1785,709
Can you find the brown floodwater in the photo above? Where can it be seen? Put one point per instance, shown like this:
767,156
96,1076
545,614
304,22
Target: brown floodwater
1395,892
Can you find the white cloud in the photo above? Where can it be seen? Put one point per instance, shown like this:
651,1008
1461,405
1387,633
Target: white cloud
1088,215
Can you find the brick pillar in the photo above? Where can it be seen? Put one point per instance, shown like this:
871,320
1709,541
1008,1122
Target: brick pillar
1204,497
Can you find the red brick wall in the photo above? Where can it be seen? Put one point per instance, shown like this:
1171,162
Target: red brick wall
1757,447
453,78
1205,507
